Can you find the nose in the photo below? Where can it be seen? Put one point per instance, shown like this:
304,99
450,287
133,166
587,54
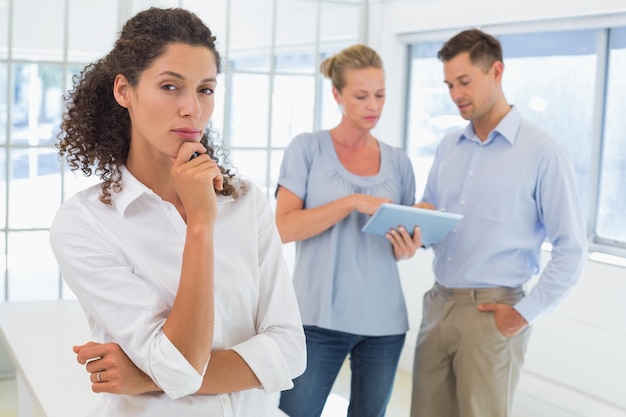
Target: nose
372,103
455,93
190,105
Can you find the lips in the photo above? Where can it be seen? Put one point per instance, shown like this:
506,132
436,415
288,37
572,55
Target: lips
186,133
462,106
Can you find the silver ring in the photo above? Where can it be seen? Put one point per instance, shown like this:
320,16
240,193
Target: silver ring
98,376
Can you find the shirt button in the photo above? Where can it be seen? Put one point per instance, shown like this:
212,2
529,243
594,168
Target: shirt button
453,230
224,399
449,259
463,202
471,174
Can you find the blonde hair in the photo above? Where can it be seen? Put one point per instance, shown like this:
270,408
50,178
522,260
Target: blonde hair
357,56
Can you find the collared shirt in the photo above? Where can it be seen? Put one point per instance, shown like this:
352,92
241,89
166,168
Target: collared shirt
514,190
123,262
345,279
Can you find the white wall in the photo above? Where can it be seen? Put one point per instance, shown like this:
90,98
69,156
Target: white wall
7,370
576,358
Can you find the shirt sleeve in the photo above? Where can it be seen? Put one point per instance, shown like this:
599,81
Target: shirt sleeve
277,353
123,308
296,164
407,176
429,194
560,212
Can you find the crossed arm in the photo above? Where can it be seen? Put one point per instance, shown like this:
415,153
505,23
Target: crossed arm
113,372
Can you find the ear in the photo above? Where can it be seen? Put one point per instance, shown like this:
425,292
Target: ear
121,90
337,96
498,69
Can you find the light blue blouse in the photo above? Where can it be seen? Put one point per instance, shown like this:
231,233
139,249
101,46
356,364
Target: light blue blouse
347,280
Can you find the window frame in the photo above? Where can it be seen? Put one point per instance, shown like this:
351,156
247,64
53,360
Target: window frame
615,251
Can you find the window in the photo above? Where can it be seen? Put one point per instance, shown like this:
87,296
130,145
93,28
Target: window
274,89
553,76
270,91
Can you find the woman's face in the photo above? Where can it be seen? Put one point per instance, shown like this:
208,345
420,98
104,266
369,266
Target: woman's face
173,100
363,97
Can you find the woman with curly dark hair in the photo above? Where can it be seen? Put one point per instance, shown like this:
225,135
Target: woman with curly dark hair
174,259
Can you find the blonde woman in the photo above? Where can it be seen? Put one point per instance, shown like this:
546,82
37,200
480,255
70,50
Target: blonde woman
346,281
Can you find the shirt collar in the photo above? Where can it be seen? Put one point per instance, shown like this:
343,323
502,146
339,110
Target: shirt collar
506,129
132,189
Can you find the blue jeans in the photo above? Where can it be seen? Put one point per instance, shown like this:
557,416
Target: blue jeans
373,362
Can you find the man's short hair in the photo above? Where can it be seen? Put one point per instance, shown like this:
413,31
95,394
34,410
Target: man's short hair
484,49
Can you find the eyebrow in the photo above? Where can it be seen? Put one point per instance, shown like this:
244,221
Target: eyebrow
382,90
180,77
459,78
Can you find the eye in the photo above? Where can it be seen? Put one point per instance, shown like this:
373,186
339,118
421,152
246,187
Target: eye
360,97
169,87
208,91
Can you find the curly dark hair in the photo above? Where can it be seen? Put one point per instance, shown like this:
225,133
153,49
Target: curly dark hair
95,130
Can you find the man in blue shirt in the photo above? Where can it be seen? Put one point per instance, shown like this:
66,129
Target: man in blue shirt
515,187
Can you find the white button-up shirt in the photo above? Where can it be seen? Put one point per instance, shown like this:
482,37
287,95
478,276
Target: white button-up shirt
123,263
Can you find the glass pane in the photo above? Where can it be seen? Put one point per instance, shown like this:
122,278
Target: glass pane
252,165
293,107
35,178
3,268
296,31
250,35
214,15
92,29
4,30
73,70
37,108
66,292
611,224
248,110
4,102
38,29
30,280
217,120
276,159
75,181
330,112
296,61
551,76
339,23
431,111
138,5
3,187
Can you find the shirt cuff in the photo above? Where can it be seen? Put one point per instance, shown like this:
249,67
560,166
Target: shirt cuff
529,309
267,361
172,372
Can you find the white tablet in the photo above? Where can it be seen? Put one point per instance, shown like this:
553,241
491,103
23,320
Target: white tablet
434,224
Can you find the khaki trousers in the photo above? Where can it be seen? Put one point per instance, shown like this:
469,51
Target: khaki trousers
464,366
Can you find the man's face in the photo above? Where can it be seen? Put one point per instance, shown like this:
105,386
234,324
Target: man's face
473,90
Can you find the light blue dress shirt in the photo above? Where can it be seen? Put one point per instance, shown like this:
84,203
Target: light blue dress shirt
515,190
347,280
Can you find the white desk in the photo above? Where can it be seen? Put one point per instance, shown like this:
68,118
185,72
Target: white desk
39,336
